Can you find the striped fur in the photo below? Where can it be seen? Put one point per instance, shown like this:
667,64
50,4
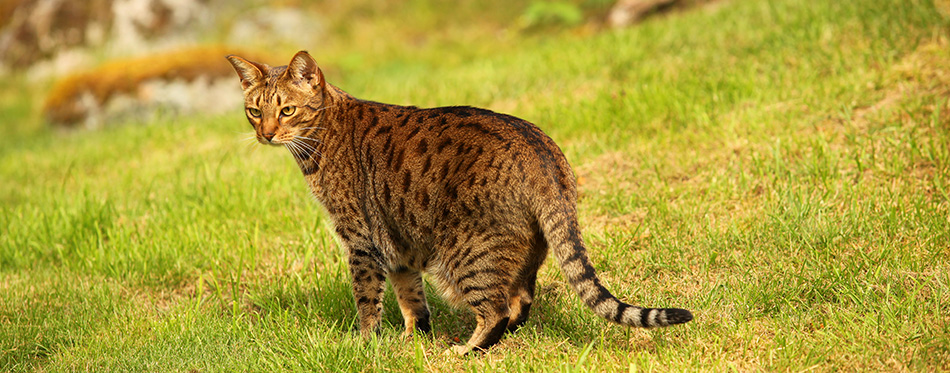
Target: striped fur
473,198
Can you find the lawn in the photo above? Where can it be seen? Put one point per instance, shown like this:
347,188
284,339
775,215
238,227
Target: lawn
780,168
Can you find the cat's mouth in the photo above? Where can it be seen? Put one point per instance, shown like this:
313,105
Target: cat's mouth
271,142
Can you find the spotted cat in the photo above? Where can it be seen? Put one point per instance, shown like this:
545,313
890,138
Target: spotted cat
471,197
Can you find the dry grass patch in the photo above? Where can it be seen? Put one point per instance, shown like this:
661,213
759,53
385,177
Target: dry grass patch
904,134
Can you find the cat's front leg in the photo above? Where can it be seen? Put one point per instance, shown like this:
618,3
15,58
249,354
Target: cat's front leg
369,281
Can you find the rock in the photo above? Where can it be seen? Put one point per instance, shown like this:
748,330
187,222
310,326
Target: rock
39,30
143,25
196,80
628,12
156,98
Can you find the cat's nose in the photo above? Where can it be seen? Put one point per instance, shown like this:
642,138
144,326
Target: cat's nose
268,136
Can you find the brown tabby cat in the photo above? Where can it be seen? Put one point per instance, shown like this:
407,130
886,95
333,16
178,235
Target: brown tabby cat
471,197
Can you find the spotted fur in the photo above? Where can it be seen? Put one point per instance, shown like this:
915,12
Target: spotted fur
472,197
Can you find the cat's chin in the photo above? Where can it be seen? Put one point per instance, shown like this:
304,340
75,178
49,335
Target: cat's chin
270,143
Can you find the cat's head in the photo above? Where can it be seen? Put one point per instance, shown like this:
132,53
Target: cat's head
284,101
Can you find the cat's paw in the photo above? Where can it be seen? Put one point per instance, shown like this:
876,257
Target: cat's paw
460,350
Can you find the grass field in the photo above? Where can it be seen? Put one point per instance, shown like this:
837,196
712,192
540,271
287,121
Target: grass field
781,168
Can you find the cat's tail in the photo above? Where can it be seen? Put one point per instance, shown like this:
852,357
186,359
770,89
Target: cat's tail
563,235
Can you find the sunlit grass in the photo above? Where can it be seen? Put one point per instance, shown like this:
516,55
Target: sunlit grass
780,168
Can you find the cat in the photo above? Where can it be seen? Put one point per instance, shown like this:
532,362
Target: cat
471,197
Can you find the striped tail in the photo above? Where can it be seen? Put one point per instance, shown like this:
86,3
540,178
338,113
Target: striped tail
563,235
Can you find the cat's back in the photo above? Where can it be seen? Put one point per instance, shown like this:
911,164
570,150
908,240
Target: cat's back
475,134
482,126
456,149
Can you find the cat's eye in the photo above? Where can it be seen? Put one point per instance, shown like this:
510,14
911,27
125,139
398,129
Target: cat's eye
288,110
256,113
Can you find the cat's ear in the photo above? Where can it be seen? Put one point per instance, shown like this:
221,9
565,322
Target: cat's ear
303,70
251,73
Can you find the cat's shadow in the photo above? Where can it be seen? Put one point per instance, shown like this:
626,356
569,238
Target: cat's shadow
328,303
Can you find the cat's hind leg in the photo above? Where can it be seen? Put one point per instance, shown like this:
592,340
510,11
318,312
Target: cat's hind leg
491,316
408,285
522,291
520,301
483,278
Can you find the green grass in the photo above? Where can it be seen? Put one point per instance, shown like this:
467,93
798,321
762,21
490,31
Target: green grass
781,168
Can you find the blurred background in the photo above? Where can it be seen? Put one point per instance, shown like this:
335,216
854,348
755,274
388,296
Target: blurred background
96,62
779,167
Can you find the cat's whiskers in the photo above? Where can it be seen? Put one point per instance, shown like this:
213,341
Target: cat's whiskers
304,145
303,149
249,137
312,149
300,149
298,152
293,149
250,141
307,138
